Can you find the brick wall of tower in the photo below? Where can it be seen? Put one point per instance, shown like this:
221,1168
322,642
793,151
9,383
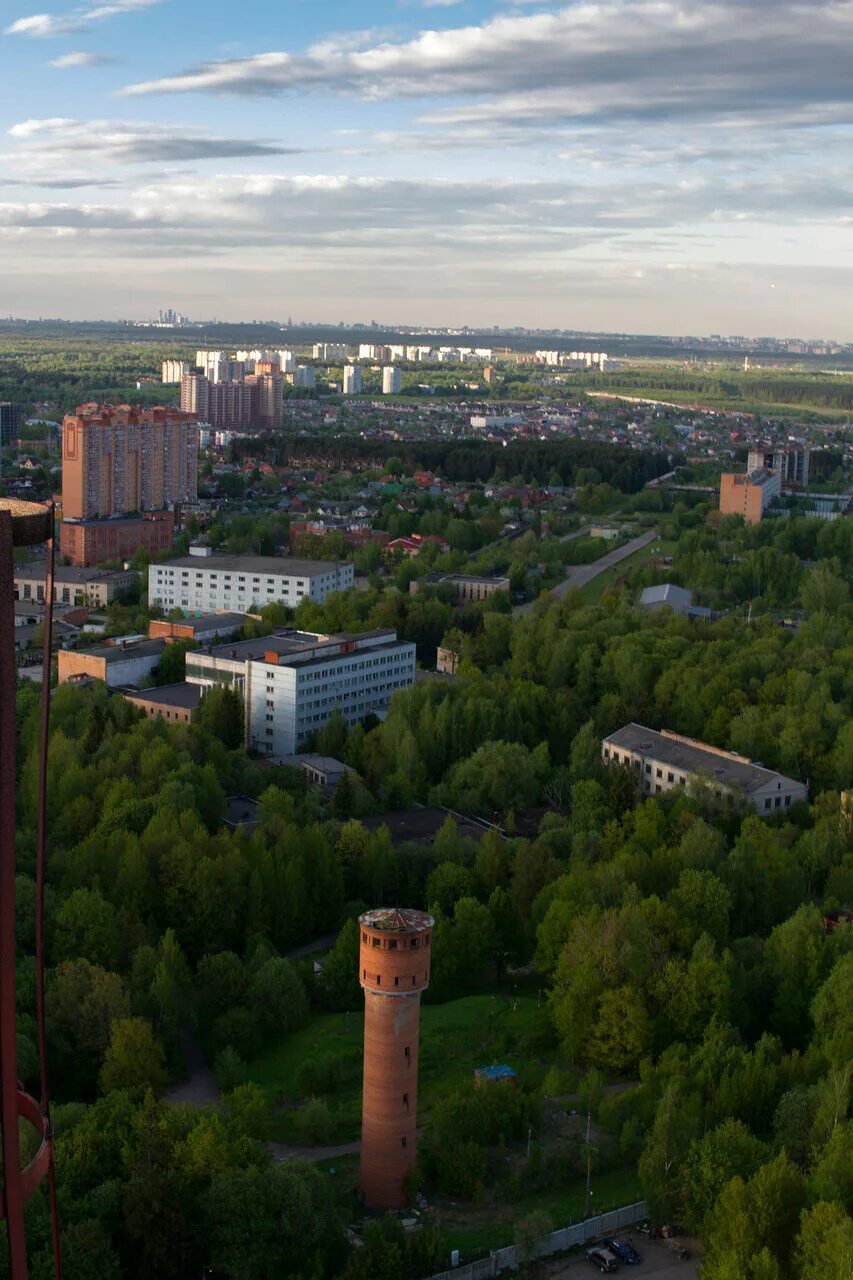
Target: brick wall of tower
394,966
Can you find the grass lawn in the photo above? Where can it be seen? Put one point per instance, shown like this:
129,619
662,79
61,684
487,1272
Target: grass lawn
593,591
474,1228
455,1038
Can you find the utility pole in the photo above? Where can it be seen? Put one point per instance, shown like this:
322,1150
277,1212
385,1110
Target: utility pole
588,1168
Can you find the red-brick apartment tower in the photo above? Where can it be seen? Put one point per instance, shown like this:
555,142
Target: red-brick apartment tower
394,970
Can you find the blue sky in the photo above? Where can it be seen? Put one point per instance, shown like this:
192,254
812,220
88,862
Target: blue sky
639,165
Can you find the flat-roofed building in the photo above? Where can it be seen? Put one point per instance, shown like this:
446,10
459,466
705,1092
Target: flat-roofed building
666,761
119,663
748,495
291,682
206,583
96,587
174,703
208,628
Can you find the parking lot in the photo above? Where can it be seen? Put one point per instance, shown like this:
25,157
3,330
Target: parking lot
658,1260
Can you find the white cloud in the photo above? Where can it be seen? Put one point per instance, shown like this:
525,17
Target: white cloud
45,25
42,146
610,59
81,58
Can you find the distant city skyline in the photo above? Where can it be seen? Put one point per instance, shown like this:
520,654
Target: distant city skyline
647,166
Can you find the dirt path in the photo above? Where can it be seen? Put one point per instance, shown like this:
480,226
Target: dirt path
199,1089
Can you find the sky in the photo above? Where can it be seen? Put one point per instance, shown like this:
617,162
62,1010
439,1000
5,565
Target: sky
646,166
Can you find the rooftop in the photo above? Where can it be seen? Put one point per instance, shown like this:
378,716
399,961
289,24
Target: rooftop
211,621
120,653
67,573
691,756
187,696
397,920
666,593
292,644
285,566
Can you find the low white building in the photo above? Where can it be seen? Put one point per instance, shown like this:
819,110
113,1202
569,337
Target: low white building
205,583
292,682
665,761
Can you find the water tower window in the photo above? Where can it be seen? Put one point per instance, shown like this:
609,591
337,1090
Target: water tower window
403,1142
413,944
392,944
407,1054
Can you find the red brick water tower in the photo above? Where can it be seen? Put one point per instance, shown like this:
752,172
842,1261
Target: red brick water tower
394,970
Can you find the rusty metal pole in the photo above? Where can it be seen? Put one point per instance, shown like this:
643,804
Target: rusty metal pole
41,875
13,1192
22,524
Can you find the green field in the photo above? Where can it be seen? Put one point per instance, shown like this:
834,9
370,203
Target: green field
455,1038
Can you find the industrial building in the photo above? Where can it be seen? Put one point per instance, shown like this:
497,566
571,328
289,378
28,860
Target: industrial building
174,703
665,761
206,583
126,661
394,968
291,682
206,628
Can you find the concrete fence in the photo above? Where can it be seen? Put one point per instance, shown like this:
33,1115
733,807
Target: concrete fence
603,1224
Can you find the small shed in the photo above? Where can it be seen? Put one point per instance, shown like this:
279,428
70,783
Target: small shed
494,1075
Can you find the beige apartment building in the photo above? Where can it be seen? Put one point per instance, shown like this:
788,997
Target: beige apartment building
120,459
665,761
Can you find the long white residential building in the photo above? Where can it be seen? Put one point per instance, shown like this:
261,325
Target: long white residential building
292,682
206,583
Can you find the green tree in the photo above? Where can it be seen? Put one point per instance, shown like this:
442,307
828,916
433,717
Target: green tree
339,979
87,926
134,1057
824,1247
221,713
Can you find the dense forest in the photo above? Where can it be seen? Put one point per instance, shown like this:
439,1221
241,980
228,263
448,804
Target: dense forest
683,943
534,461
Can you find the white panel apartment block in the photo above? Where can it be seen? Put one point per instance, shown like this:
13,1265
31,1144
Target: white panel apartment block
206,584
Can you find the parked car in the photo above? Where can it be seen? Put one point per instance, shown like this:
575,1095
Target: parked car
624,1251
603,1259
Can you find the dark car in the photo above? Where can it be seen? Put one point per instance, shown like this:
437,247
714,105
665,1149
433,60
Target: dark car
624,1251
603,1259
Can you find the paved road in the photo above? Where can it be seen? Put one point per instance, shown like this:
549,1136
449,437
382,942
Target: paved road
581,574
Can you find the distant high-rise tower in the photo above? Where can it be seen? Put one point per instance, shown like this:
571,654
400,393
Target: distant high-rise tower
394,965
